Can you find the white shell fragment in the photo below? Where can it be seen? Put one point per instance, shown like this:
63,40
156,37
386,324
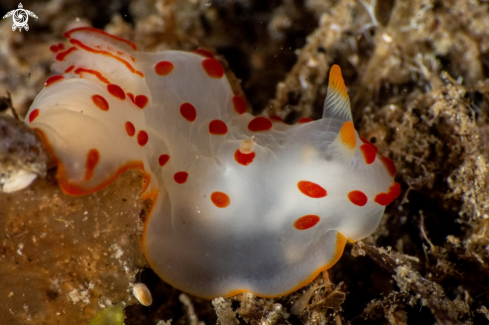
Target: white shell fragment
21,156
142,294
17,181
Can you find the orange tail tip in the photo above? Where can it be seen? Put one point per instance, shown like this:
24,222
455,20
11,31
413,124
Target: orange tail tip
337,102
347,135
336,81
345,143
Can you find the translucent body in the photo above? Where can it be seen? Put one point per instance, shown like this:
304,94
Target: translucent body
239,203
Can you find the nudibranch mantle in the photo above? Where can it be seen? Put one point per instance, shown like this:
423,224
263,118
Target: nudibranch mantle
240,203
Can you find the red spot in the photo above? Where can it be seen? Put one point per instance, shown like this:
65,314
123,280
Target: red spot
188,112
244,158
93,72
370,143
52,80
395,190
33,115
62,55
386,198
120,53
61,46
218,127
358,198
131,96
306,222
311,189
389,164
100,102
220,199
142,138
213,68
260,123
205,53
163,68
54,48
93,158
239,104
305,120
163,159
369,153
116,91
130,129
141,101
276,118
180,177
71,67
113,56
98,31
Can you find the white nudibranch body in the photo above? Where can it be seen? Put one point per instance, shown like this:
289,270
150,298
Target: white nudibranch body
276,202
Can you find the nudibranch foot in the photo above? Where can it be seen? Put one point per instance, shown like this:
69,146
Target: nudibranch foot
240,203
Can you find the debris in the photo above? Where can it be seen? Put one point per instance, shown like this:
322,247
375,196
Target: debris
142,294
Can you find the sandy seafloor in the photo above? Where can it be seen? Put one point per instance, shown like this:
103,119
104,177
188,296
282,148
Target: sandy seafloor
416,72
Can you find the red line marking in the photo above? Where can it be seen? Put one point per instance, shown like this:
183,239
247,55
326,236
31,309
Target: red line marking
89,49
94,72
98,31
62,55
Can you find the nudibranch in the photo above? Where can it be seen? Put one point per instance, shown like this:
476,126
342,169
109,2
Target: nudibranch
240,203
